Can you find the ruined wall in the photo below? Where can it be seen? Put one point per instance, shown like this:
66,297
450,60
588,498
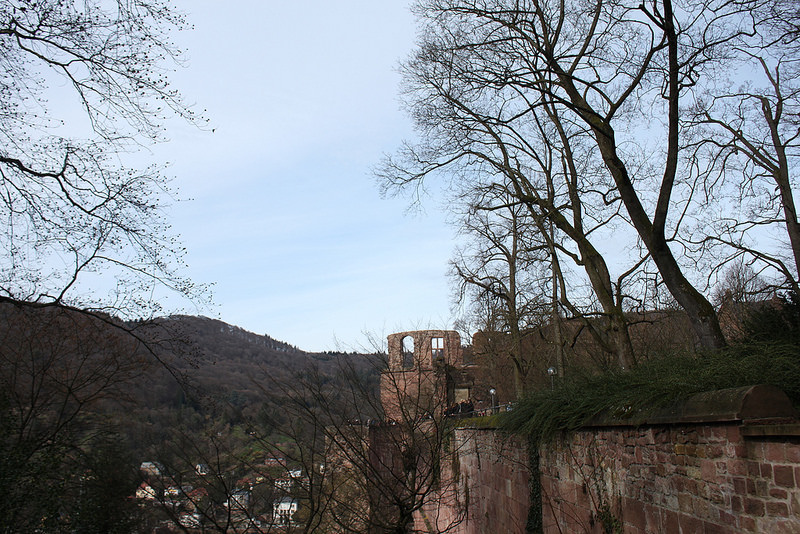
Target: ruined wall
411,395
724,461
415,384
483,487
494,476
429,346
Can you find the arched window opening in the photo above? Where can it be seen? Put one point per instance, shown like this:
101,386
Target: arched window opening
408,352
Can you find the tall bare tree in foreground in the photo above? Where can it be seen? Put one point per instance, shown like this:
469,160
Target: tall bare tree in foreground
584,107
69,206
82,85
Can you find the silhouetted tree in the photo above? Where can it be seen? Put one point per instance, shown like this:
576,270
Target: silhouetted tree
593,112
69,209
59,371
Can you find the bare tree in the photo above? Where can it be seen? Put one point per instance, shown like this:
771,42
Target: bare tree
502,271
59,371
70,208
488,116
496,87
744,143
741,284
212,481
378,456
82,85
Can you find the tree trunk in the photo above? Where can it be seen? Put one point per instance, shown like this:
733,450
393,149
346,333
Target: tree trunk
781,177
701,313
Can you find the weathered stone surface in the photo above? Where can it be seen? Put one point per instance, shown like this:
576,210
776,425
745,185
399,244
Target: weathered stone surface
689,477
750,488
725,461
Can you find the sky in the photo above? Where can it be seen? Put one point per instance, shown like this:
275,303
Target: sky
282,212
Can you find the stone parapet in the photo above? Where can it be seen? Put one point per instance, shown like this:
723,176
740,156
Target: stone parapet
722,462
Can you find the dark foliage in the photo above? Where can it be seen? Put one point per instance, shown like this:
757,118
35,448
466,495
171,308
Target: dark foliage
775,321
769,354
85,399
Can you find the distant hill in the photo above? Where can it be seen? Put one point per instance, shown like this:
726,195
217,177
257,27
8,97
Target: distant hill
228,375
221,358
186,372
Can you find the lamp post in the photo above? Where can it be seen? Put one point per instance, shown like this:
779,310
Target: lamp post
493,392
552,372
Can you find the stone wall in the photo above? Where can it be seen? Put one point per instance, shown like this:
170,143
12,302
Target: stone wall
486,489
447,350
671,478
728,462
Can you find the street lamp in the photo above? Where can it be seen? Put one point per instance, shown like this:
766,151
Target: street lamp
493,392
552,372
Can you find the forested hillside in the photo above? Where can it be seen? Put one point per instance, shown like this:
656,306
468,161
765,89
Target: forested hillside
210,371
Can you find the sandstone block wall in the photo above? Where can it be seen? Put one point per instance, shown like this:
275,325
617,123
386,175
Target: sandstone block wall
671,478
492,475
725,461
692,478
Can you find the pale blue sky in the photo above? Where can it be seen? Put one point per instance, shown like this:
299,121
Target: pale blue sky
285,216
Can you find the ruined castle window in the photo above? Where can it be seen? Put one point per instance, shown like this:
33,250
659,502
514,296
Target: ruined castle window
408,352
437,348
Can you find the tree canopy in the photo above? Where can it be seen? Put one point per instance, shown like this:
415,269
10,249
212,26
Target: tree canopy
82,85
624,125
